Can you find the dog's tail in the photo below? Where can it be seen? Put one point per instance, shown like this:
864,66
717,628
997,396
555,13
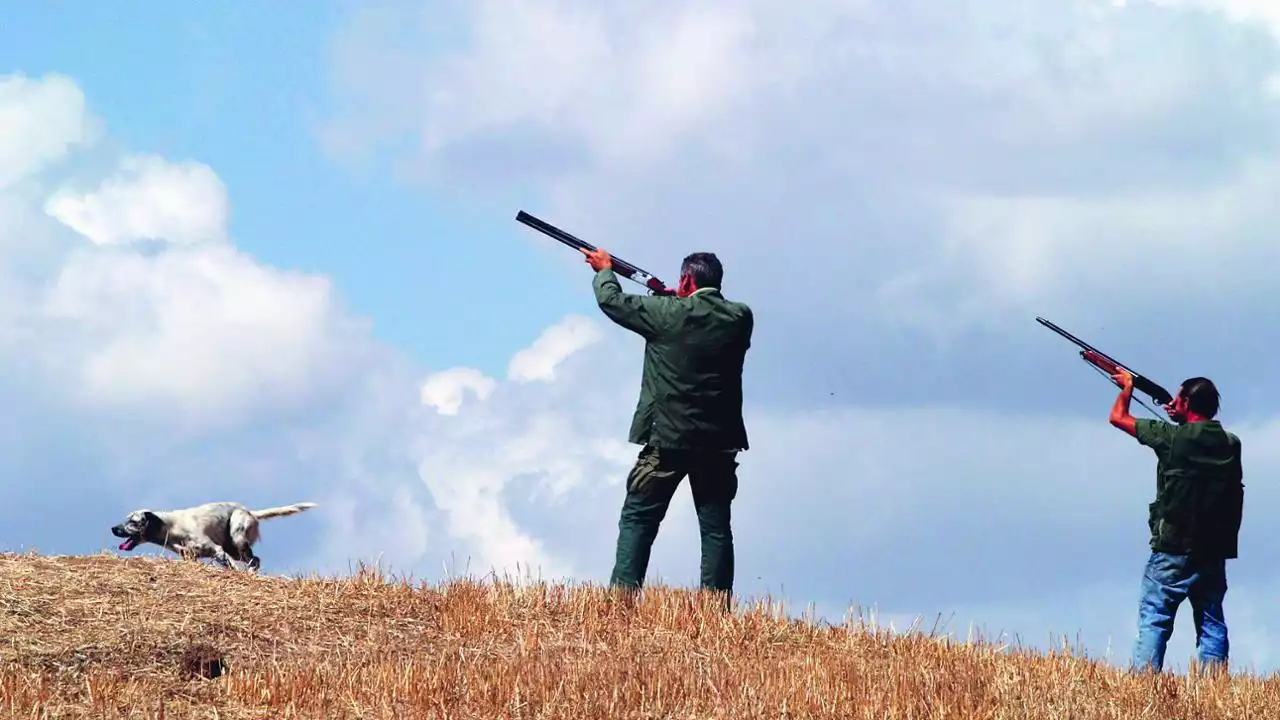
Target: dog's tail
282,511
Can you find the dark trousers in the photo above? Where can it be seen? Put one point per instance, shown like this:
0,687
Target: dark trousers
650,486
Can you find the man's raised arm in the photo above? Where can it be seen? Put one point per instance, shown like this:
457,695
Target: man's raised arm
648,316
1120,415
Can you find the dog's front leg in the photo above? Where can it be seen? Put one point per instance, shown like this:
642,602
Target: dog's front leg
221,557
206,550
183,550
227,561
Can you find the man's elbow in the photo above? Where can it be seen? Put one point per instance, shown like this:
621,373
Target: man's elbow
614,310
605,298
607,292
610,306
1123,422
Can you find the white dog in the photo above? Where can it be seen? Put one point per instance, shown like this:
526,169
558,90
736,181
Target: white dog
222,531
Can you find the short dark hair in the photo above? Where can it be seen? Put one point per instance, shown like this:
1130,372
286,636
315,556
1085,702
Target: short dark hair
1202,396
704,268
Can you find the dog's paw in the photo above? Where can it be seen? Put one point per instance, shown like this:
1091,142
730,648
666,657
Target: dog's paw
255,563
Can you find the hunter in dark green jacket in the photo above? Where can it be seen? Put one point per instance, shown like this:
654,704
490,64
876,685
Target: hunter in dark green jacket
689,415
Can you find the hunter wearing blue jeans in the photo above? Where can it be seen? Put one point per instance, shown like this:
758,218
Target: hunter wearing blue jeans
1194,520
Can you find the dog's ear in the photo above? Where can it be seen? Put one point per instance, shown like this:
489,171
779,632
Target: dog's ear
150,519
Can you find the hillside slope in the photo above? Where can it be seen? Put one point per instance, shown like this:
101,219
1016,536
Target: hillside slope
106,637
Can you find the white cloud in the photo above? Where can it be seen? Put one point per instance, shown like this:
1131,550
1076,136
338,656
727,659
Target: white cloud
1247,11
192,334
150,199
539,361
1005,252
627,79
203,331
41,120
523,444
446,390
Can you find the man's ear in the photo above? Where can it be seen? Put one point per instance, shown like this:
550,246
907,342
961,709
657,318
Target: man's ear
685,286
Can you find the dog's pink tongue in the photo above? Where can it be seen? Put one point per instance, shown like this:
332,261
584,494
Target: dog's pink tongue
128,544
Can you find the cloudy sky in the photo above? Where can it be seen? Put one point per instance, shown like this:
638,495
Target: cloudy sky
270,258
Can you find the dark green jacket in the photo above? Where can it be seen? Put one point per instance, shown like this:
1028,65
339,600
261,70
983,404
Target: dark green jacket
691,389
1199,488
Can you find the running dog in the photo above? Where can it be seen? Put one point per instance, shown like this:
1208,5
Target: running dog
220,531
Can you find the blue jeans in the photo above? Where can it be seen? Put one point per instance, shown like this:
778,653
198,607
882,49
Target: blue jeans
1169,579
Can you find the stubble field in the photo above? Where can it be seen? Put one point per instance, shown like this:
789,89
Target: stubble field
107,637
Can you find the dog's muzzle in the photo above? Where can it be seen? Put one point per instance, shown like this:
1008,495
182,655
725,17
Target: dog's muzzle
130,541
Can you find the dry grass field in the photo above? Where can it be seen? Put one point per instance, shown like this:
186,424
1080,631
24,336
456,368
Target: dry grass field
102,637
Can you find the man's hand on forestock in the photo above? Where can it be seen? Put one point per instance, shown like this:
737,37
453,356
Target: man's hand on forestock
599,260
1123,379
1120,416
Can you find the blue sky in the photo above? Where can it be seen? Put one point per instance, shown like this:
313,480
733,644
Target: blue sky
268,257
242,89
